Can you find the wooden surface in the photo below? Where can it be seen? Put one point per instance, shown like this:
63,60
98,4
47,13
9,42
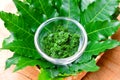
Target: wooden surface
109,63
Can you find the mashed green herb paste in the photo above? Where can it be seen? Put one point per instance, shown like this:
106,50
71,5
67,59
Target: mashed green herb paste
61,43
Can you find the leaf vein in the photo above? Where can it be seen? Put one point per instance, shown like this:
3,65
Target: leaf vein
20,47
98,30
29,14
20,27
42,8
99,11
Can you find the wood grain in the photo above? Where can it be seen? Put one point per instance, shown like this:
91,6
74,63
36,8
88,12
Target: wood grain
29,73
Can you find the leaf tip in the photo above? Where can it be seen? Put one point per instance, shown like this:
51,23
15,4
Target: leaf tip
15,69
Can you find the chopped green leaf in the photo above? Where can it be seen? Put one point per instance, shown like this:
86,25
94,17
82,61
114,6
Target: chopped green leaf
63,43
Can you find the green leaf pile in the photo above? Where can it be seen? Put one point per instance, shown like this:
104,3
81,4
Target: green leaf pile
94,15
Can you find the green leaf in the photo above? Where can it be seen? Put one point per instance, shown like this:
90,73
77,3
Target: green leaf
48,75
101,46
86,3
26,11
101,10
118,0
21,47
21,62
36,11
95,48
44,75
46,7
69,8
101,30
89,66
64,70
16,25
12,61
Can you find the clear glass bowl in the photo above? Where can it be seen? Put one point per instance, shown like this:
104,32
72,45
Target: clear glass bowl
73,26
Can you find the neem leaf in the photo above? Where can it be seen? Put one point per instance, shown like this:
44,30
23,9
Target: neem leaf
46,7
101,30
44,75
36,12
31,15
22,36
16,25
95,48
21,62
101,10
12,61
86,3
21,47
24,61
100,46
89,66
69,8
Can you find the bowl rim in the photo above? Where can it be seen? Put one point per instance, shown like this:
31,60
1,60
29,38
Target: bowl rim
61,61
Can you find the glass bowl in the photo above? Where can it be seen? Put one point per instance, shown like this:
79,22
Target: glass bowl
73,26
